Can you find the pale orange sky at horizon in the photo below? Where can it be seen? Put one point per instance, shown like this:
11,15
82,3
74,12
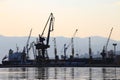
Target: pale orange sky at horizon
90,17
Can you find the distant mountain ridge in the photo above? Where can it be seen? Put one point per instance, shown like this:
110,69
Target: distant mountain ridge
80,44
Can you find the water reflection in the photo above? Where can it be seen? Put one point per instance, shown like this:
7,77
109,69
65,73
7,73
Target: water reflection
41,73
55,73
60,73
109,73
104,72
72,73
17,73
90,73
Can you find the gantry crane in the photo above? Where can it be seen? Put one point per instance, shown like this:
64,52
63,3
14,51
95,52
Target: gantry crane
70,44
41,46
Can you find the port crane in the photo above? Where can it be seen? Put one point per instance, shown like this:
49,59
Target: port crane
70,44
41,46
108,38
27,44
104,51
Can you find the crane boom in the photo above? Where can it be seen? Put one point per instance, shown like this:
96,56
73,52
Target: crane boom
46,25
72,42
109,38
27,44
104,51
50,27
75,33
72,38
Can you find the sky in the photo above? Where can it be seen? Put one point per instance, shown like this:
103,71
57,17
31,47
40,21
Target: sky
90,17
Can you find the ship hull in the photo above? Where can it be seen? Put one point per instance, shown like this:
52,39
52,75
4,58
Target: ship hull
82,62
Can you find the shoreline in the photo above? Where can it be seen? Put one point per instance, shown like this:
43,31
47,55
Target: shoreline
86,65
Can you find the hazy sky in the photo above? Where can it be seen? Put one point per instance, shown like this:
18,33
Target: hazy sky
91,17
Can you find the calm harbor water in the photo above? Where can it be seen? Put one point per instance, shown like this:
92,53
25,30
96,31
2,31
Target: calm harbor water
60,73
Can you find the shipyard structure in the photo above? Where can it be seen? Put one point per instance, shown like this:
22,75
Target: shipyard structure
41,56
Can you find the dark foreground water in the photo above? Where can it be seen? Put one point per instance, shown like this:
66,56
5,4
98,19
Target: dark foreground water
60,73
